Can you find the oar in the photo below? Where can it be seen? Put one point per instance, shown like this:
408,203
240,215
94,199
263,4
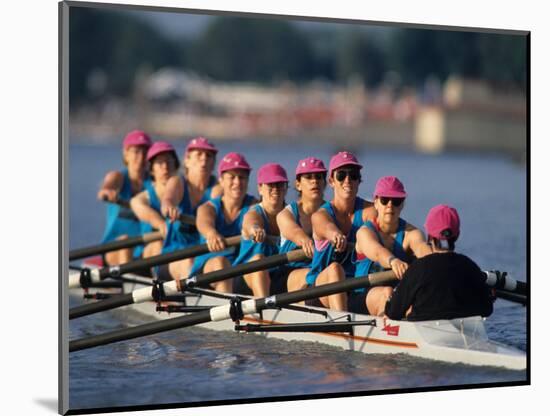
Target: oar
130,242
507,287
97,275
170,288
232,310
184,218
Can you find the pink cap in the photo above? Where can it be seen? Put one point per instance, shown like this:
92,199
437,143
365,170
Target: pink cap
233,161
389,186
343,159
441,218
160,147
200,143
310,165
136,138
271,173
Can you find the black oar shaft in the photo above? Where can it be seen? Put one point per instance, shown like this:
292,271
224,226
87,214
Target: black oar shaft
203,279
224,312
245,268
139,331
512,297
185,219
104,305
375,279
130,242
161,259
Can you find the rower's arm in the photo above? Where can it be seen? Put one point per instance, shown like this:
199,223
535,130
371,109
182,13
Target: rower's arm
173,194
217,191
206,224
289,229
253,225
323,226
111,186
141,206
369,212
368,245
206,219
418,244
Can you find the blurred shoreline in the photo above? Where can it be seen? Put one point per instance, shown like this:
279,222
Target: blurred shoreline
460,115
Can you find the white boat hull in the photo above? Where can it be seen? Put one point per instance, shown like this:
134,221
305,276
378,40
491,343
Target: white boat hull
455,341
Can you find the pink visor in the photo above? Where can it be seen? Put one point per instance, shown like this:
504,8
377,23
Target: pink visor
158,148
441,218
310,165
136,138
389,186
342,159
201,143
233,161
271,173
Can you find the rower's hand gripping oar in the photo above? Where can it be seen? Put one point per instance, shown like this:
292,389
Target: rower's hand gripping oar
171,288
97,275
130,242
234,310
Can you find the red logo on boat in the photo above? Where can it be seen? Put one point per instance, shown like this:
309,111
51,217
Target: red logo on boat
391,330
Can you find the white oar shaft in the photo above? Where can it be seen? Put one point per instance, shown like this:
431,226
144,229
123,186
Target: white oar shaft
146,294
75,278
506,282
223,312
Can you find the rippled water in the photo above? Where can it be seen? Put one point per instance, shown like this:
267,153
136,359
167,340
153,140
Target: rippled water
197,365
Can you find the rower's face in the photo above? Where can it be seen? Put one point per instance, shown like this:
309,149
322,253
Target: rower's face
163,167
311,185
200,161
234,182
345,181
388,209
273,193
134,157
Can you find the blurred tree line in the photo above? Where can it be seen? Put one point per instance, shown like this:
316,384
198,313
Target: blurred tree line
269,51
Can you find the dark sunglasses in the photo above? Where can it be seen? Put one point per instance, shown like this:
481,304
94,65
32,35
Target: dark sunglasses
278,185
310,176
396,202
341,175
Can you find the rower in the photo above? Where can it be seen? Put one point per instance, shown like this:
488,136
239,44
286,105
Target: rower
442,285
183,195
295,222
259,223
387,241
163,164
121,186
223,217
334,225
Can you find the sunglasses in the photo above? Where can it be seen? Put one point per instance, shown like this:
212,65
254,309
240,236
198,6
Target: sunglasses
310,176
277,185
396,202
341,175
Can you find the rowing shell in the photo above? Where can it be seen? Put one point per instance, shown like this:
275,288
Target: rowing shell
462,340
